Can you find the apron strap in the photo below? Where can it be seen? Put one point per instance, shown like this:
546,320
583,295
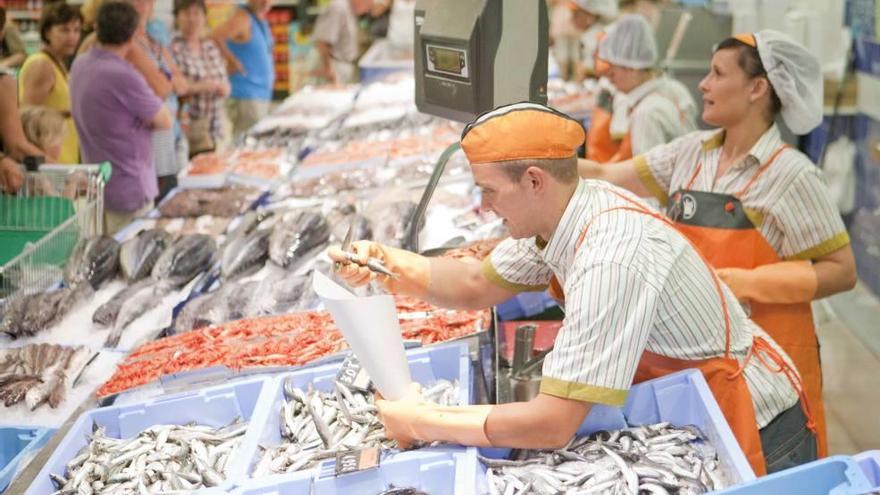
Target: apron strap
690,184
760,349
762,169
638,208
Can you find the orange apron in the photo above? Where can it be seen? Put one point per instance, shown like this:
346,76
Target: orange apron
724,375
718,226
601,145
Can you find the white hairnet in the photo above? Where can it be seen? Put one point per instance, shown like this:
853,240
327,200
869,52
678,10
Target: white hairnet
602,8
629,43
796,76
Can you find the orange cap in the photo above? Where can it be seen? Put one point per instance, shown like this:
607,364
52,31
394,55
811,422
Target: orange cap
521,131
747,38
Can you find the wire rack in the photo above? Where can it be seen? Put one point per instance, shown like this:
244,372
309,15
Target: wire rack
42,223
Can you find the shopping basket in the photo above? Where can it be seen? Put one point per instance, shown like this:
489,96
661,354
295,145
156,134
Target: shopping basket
40,225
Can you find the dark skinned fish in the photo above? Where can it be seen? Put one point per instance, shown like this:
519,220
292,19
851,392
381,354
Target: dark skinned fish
139,254
94,260
296,236
245,255
186,258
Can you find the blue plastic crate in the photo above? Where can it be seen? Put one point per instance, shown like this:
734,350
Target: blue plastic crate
524,305
439,472
16,443
215,406
836,475
870,463
681,398
276,485
427,365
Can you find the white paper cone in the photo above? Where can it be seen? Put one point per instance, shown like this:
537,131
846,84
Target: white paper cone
372,330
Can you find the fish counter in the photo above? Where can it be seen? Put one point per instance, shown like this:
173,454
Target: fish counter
189,352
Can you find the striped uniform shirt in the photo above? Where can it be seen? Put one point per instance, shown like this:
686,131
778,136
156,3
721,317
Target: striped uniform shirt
654,113
789,203
635,284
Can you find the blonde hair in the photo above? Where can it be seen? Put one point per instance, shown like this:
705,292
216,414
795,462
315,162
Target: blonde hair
42,126
89,11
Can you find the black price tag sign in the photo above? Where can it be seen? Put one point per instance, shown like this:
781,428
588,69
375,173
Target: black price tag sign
357,460
353,375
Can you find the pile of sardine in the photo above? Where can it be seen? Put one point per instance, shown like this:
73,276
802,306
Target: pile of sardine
162,458
652,459
40,373
318,425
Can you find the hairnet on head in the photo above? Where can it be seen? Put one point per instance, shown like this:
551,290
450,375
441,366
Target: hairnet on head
796,76
606,9
629,43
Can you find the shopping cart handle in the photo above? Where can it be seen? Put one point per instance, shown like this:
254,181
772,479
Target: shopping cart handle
106,171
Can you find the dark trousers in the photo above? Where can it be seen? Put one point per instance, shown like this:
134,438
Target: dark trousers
166,184
787,442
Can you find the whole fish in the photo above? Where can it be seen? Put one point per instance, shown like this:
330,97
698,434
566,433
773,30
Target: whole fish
391,222
282,294
245,255
160,459
145,298
106,313
31,314
297,236
94,259
39,374
318,425
186,258
138,255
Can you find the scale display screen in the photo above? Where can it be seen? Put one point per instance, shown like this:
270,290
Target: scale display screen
447,60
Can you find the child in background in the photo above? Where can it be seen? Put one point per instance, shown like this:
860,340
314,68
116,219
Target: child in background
44,127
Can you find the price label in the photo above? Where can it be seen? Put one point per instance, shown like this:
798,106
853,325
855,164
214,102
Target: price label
353,375
357,460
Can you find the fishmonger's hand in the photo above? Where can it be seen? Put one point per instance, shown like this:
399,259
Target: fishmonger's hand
411,271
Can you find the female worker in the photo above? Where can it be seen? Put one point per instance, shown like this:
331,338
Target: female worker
590,18
645,110
757,209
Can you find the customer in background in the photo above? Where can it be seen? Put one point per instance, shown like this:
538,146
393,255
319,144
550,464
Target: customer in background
153,39
336,39
14,146
202,64
43,77
245,41
12,52
45,128
116,112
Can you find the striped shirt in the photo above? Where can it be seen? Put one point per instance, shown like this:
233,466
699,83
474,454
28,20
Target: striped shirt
654,113
635,284
789,203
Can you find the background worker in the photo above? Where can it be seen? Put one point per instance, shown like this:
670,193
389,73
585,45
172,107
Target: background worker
640,302
336,40
646,110
590,18
757,209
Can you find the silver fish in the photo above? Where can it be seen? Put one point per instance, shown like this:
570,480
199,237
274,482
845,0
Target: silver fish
138,303
40,374
186,258
654,459
317,425
94,259
162,458
296,236
245,255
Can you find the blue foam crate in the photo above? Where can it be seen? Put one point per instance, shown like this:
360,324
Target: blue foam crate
681,398
838,475
870,463
439,472
276,485
524,305
16,444
214,406
427,365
